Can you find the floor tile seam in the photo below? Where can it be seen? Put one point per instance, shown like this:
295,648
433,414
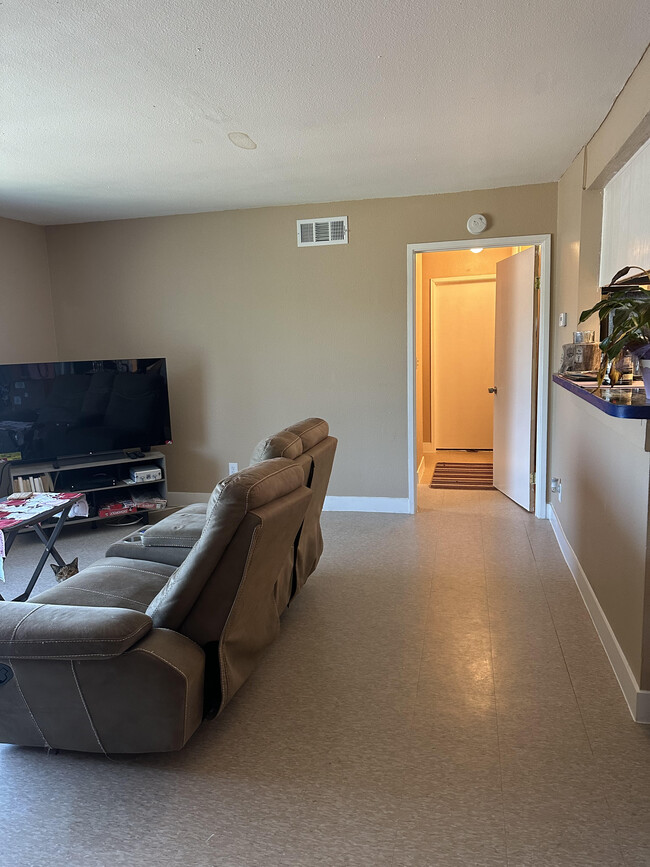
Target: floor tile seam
603,788
427,621
496,702
411,723
564,659
617,830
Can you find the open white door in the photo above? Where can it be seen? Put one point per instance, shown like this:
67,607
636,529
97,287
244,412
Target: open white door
515,371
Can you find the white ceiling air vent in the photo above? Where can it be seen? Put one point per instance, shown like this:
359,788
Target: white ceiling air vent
328,230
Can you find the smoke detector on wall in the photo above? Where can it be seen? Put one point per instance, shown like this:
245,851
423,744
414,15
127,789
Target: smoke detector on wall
327,230
476,224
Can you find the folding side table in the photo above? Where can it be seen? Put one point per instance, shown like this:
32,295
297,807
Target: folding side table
12,526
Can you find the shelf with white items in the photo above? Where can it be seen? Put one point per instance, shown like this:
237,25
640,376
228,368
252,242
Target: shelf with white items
95,477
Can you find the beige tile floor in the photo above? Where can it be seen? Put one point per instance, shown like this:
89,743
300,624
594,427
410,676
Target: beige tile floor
437,697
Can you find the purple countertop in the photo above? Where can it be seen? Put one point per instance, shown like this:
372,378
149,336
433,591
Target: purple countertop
619,402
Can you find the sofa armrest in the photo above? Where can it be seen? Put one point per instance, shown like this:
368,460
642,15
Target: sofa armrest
29,630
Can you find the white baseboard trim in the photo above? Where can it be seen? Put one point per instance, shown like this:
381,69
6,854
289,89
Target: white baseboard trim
393,505
185,498
638,700
421,470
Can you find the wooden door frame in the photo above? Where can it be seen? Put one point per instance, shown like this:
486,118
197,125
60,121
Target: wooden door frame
543,242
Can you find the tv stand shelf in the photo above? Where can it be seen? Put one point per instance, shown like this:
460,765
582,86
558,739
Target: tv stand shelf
96,477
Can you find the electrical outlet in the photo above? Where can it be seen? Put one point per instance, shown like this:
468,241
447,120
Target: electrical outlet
233,467
556,488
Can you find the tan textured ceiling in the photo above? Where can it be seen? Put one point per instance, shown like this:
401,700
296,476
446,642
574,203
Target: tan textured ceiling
123,108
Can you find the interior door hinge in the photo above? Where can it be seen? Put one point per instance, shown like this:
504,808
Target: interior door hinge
533,478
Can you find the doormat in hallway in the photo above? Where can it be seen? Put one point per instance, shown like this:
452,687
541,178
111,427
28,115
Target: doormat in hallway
462,477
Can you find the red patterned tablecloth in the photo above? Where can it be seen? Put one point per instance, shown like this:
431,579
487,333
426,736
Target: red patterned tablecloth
15,511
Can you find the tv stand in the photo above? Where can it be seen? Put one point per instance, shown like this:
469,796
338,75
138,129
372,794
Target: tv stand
83,460
101,478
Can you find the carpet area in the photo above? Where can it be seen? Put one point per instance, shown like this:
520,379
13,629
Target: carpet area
462,476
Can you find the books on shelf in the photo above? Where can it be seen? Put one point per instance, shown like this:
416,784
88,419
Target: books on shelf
110,505
40,483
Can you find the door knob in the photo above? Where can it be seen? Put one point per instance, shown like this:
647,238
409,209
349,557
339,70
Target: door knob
493,390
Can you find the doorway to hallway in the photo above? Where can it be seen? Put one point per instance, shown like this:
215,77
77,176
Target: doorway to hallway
456,291
455,321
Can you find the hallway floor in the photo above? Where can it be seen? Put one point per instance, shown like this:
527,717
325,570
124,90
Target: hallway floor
437,697
459,456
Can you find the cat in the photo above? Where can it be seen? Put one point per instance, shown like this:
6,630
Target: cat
66,571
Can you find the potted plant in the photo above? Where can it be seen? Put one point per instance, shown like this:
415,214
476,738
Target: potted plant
627,307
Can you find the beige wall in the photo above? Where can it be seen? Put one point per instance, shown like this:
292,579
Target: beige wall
259,333
604,510
26,317
602,462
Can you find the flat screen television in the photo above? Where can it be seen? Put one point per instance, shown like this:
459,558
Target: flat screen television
74,409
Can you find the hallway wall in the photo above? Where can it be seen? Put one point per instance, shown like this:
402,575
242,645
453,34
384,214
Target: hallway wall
603,462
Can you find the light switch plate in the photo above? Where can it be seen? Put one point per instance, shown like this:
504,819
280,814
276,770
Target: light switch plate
563,320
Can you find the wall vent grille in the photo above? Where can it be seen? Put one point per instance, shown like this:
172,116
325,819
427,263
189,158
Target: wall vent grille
328,230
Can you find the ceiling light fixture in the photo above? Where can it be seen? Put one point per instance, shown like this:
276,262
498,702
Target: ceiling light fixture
241,140
476,249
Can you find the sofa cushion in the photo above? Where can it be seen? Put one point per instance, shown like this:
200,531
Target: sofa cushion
195,509
113,582
180,530
31,630
184,526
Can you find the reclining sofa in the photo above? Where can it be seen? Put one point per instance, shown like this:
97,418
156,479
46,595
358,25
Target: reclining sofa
309,445
129,655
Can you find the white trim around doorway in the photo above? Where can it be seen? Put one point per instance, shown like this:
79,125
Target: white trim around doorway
543,242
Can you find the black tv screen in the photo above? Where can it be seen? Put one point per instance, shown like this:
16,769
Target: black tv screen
67,409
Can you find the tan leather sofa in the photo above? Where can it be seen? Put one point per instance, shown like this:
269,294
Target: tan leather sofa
309,445
128,656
